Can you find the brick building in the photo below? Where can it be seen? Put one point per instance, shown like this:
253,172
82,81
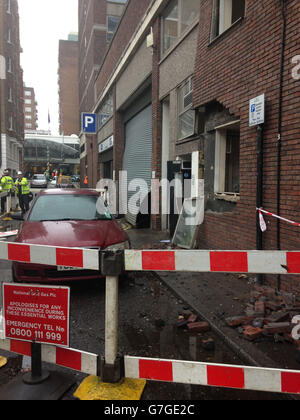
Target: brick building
30,109
68,86
11,88
246,49
98,20
177,80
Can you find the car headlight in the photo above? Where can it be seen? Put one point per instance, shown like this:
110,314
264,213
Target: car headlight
119,247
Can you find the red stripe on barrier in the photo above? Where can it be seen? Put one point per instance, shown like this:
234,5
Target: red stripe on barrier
290,382
158,260
69,257
293,262
20,347
224,376
156,370
229,261
18,252
68,358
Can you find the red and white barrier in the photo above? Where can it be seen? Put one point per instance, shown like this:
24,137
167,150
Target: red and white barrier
256,262
224,376
50,255
69,358
260,210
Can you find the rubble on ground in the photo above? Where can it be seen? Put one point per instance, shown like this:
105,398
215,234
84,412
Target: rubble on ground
269,314
191,322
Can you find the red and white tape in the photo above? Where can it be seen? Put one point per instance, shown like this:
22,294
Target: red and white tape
50,255
226,376
260,210
69,358
255,262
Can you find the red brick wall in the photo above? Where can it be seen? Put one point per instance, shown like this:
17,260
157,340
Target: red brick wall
68,87
242,64
132,17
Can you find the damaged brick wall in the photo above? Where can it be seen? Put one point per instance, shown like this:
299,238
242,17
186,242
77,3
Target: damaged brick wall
242,63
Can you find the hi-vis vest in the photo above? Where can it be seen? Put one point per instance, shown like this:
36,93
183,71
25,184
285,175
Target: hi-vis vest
24,186
7,183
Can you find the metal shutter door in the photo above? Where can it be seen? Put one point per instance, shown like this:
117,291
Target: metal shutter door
137,160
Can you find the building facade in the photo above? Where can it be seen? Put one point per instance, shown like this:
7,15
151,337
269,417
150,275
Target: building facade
242,54
98,20
11,88
30,109
68,86
46,153
173,99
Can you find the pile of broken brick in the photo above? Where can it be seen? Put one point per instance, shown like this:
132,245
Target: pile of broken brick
190,321
269,314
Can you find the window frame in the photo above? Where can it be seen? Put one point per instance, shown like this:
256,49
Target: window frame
217,24
110,34
108,101
180,32
181,111
220,162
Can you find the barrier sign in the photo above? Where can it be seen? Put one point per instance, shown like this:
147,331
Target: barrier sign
36,313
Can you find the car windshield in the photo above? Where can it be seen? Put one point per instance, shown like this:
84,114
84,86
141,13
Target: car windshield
39,177
69,207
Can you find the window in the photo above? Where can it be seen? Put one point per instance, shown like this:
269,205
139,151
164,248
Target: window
9,65
186,115
69,207
225,14
176,19
112,24
9,40
10,96
10,123
28,102
8,6
106,110
27,93
227,159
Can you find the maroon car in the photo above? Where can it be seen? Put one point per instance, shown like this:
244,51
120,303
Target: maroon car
67,218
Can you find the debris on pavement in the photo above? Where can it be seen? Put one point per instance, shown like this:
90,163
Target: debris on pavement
191,322
269,314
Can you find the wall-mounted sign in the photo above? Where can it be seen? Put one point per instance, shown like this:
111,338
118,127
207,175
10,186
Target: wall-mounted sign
106,144
89,123
257,111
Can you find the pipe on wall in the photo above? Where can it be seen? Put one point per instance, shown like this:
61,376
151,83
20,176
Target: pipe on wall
282,62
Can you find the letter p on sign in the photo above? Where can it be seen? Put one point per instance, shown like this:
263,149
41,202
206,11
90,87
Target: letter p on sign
89,123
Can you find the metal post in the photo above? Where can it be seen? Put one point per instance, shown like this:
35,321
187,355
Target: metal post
37,374
112,265
111,319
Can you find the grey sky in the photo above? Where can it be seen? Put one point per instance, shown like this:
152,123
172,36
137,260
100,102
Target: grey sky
42,24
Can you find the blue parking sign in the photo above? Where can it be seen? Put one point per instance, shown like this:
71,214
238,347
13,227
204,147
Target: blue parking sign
89,123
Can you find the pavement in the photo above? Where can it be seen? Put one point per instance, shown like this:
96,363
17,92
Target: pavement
215,297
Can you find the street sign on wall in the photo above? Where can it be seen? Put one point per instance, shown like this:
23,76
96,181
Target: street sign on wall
36,313
89,123
257,111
